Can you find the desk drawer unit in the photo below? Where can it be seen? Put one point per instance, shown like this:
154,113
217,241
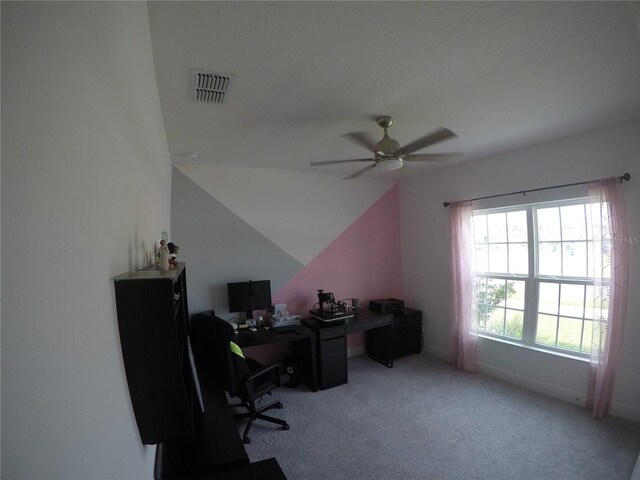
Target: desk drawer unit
332,356
407,333
406,337
331,352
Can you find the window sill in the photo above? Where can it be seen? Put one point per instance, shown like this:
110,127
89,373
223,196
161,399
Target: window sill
536,348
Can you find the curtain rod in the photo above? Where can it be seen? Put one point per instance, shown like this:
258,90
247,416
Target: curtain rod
626,177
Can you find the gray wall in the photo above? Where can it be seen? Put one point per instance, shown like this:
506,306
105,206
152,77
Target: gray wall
425,246
85,192
220,247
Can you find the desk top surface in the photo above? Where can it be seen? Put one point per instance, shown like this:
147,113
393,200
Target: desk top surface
363,320
266,337
216,442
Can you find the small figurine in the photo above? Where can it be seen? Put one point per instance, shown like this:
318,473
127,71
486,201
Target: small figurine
173,254
163,257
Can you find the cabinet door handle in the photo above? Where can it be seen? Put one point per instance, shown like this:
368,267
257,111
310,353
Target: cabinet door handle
176,296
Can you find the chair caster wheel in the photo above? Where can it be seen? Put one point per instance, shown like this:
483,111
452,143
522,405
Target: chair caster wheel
286,427
246,440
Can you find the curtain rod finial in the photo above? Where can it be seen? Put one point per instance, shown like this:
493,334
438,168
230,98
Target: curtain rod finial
446,204
626,177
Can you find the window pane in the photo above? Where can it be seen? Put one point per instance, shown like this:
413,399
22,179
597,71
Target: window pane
599,335
589,299
481,299
517,223
497,227
513,324
548,298
572,300
574,260
589,222
495,322
482,258
548,224
518,258
546,329
569,333
549,259
587,335
600,303
498,258
573,222
515,295
480,228
496,292
603,260
599,216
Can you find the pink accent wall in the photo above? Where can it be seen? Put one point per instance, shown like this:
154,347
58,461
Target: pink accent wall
362,262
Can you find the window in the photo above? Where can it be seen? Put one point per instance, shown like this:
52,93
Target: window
533,283
502,266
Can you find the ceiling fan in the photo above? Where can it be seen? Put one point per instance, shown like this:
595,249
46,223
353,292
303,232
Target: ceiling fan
387,153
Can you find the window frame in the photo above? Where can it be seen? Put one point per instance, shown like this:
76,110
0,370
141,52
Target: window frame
533,278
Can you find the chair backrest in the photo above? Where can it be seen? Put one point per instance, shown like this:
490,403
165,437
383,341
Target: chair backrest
210,338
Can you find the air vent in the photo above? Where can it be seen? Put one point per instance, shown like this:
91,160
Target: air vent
210,87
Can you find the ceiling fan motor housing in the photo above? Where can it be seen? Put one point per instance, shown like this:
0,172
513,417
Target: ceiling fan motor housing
387,146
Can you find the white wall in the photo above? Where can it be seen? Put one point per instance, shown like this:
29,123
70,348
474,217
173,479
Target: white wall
86,184
425,246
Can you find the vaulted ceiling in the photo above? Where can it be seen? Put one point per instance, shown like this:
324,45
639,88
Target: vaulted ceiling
501,75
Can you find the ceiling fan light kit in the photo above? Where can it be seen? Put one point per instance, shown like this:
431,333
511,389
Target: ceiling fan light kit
392,163
389,155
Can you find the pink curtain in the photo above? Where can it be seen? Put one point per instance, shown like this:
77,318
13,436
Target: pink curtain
611,273
463,338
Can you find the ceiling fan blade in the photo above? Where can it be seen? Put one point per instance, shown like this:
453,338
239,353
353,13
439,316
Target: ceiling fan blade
330,162
430,139
433,157
364,139
359,172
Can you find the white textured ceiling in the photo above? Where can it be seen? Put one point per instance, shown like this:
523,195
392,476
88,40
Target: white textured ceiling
501,75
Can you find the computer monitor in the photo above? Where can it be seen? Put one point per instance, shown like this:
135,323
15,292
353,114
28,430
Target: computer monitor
249,296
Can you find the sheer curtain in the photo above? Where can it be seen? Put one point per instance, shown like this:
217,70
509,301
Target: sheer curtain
463,338
611,273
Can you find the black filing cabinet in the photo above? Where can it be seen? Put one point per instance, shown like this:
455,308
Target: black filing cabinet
330,351
332,355
405,337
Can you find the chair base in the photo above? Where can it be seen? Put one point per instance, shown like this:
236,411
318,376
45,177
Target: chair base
258,414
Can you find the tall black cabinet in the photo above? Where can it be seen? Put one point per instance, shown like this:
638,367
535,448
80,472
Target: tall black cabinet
153,320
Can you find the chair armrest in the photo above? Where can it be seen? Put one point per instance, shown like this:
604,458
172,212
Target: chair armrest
268,374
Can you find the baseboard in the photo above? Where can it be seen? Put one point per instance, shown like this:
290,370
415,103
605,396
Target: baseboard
579,398
436,352
625,411
536,385
635,475
352,352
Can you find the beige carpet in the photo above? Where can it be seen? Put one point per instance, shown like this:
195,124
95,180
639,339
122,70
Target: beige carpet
425,420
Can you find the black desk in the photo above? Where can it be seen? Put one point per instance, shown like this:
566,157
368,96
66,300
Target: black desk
331,344
216,443
302,346
216,450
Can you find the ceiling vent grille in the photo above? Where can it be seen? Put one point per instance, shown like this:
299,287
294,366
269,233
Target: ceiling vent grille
210,87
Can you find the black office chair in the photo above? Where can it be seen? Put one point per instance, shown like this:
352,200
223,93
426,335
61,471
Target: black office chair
243,378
